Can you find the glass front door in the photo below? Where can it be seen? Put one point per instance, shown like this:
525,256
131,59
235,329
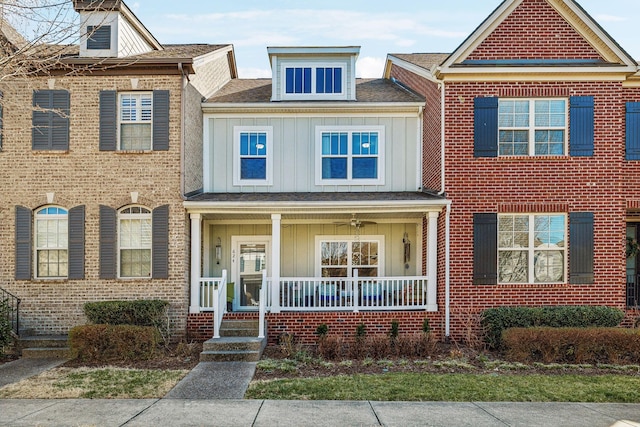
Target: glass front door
250,259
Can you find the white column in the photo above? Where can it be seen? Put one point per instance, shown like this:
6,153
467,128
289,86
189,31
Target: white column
276,220
196,257
432,262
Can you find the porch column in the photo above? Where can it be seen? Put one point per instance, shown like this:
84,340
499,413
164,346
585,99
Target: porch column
432,262
196,258
275,262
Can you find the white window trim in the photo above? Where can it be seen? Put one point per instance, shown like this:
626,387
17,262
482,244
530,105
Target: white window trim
119,216
531,249
532,128
37,249
313,95
350,181
237,130
119,114
349,239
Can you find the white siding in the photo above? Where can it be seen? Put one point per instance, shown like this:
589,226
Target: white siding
129,40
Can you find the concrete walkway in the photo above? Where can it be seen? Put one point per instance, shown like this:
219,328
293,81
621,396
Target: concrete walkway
245,413
199,399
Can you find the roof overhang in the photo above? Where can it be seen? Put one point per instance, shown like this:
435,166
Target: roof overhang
343,107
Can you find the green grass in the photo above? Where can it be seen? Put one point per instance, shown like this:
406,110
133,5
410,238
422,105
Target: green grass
454,387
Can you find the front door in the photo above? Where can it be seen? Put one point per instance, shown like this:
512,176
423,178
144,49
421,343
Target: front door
249,257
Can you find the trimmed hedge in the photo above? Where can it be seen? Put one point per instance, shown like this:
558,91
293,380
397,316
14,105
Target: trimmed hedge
135,312
496,320
572,345
105,343
5,326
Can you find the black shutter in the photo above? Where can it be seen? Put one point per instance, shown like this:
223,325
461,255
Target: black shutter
161,120
108,250
485,249
50,128
581,126
1,119
23,243
581,248
108,120
485,126
76,242
99,37
160,239
632,131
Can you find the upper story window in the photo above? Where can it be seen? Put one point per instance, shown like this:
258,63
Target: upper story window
136,114
308,81
536,127
531,248
134,242
349,155
51,242
50,120
253,153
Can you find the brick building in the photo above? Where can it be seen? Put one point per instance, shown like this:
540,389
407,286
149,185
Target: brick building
535,117
93,170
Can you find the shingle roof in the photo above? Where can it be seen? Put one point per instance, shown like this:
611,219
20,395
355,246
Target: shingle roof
424,60
316,197
170,51
259,91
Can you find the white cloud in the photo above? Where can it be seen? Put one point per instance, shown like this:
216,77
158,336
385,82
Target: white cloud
610,18
254,73
370,67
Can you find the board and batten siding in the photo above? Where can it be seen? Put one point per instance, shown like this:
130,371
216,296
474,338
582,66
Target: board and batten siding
298,247
294,153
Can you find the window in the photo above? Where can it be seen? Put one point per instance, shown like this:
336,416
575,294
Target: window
136,112
99,38
305,80
339,257
50,120
134,242
349,154
531,248
253,155
532,127
51,242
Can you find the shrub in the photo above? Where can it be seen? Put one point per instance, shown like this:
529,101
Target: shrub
572,345
5,326
135,312
395,328
331,347
496,320
322,330
416,345
105,343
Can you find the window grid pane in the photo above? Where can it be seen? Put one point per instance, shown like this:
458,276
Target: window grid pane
337,258
359,150
253,155
136,112
51,242
135,240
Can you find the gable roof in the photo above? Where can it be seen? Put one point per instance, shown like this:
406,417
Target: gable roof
611,56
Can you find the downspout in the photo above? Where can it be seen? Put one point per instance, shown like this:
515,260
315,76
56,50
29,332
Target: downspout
447,287
182,128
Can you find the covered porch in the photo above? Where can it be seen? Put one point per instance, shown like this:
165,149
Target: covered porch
314,252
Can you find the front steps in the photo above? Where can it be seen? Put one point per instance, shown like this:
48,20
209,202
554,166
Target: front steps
45,347
238,342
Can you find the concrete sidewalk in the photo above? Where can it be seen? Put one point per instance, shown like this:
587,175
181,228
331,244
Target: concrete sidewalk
189,412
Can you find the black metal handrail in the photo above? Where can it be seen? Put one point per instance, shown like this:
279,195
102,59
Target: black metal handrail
12,313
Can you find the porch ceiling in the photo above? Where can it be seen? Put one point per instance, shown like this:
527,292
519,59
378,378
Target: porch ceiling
338,217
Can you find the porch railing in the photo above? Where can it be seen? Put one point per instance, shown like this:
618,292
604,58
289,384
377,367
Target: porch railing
10,310
633,290
213,297
352,293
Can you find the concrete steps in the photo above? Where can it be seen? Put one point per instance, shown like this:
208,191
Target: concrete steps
238,342
45,347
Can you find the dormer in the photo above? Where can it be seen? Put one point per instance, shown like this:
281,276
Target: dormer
109,29
313,73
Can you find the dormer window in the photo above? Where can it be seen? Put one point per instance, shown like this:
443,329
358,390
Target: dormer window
99,38
306,81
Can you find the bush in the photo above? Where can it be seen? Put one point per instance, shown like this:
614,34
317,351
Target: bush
105,343
495,320
5,326
572,345
136,312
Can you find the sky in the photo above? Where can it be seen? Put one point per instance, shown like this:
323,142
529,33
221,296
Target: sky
378,27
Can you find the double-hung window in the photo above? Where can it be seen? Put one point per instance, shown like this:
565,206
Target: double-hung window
253,151
532,127
531,248
52,244
349,155
134,245
136,113
339,257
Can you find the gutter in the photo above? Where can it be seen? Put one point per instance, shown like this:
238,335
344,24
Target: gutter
183,114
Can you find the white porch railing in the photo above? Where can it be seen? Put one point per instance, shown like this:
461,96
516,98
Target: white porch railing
352,293
213,297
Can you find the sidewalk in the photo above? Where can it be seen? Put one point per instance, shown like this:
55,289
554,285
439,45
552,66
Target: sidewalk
245,413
